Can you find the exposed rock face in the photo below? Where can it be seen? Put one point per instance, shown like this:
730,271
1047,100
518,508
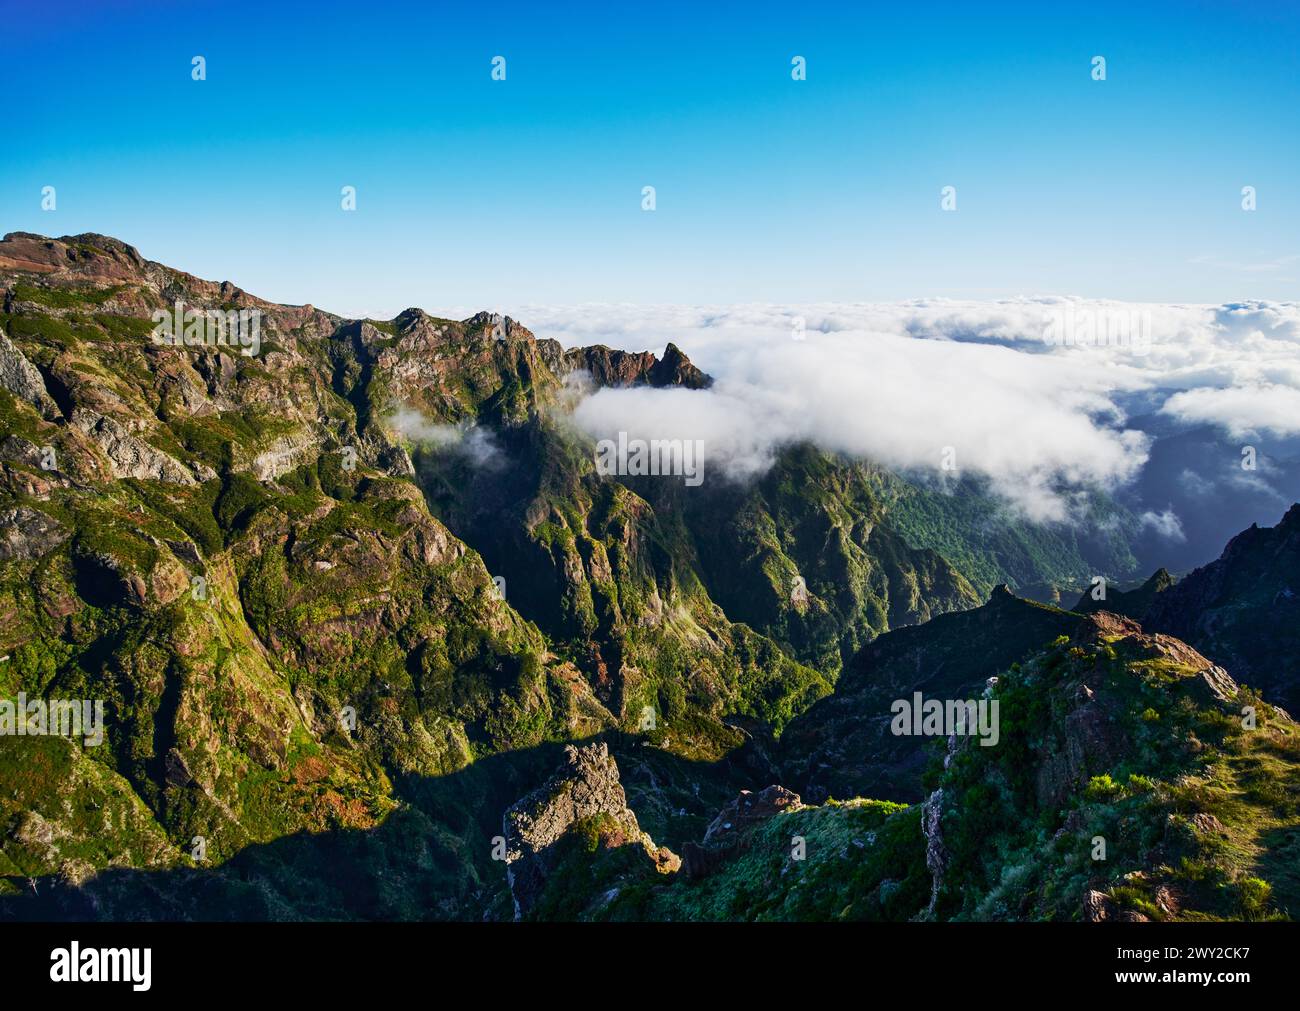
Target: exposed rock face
27,533
284,455
729,833
1207,823
623,368
112,259
127,455
1214,685
936,854
1097,907
1087,739
21,378
587,786
748,809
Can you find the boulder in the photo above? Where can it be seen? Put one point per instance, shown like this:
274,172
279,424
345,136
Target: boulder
748,809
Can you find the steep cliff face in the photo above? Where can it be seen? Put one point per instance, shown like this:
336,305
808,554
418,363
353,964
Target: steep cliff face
1244,609
807,556
615,585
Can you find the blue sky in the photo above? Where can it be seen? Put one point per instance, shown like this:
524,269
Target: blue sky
472,192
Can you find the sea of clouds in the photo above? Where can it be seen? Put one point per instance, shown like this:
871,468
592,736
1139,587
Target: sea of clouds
901,383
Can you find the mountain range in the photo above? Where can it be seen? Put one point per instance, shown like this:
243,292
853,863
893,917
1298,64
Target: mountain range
376,639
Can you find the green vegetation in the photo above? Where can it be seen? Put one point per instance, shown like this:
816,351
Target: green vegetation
66,297
1184,797
988,544
306,662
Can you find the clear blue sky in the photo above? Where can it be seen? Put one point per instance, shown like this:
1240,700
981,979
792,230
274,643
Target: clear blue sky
475,192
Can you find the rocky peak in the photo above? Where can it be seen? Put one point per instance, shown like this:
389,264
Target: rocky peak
675,369
729,834
609,367
89,254
586,786
1160,580
410,316
497,325
1134,603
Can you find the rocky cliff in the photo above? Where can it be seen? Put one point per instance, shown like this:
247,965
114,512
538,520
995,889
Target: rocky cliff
584,796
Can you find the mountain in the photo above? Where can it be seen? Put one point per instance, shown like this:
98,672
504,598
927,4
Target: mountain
1134,603
843,746
319,586
989,543
1244,609
1125,786
372,637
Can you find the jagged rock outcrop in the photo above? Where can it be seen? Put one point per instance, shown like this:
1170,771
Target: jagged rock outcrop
127,455
936,854
587,786
1088,738
21,378
730,832
623,368
1097,907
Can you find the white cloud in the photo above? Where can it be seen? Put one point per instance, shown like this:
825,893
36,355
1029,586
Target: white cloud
1166,524
477,445
896,383
1243,410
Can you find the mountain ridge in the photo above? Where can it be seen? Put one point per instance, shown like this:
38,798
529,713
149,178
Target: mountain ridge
355,592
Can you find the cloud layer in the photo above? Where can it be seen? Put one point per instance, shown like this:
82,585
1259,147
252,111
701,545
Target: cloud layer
1034,394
